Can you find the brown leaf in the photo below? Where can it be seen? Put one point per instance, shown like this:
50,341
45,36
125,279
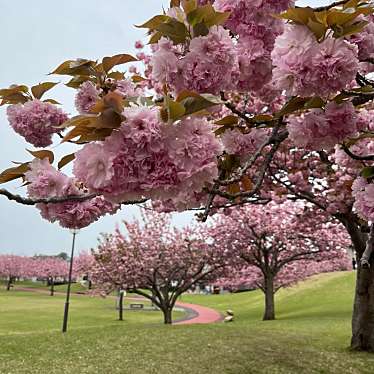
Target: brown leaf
65,160
109,62
42,154
40,89
14,173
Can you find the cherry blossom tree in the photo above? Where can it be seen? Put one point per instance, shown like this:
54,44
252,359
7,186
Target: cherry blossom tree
83,265
279,244
156,261
50,268
227,85
13,267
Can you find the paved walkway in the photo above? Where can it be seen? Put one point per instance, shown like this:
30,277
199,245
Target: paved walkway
202,314
196,314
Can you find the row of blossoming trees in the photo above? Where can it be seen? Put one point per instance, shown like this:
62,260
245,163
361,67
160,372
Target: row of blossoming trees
240,102
45,268
262,247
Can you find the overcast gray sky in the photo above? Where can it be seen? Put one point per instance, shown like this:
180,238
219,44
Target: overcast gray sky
36,36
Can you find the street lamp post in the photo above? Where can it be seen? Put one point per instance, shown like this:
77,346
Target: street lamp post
67,302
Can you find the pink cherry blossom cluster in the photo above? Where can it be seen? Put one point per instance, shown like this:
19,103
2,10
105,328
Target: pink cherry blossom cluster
210,65
88,94
237,143
322,129
36,121
365,40
149,158
257,29
305,67
45,181
363,191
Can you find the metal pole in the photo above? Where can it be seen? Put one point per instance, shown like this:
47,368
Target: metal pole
66,310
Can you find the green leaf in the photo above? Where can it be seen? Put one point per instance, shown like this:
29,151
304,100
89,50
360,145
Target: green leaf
40,89
314,102
154,22
201,29
297,15
174,30
228,121
155,38
52,101
207,15
110,62
42,154
367,172
195,104
175,109
65,160
292,105
76,81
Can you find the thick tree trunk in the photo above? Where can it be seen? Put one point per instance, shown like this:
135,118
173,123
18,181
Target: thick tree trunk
9,284
363,310
363,307
167,316
52,287
269,313
120,306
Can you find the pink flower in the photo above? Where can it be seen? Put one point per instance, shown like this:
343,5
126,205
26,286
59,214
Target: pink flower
86,97
211,65
36,121
305,67
237,143
45,180
320,129
94,165
164,62
139,44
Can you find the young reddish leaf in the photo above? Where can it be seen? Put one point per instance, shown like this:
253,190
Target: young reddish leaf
247,183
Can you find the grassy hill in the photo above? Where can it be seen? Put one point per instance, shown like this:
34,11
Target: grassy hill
310,335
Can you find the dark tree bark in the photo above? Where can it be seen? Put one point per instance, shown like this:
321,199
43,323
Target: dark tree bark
269,313
363,306
167,311
120,305
52,282
9,283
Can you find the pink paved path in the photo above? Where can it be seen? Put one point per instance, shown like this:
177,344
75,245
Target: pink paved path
201,314
204,314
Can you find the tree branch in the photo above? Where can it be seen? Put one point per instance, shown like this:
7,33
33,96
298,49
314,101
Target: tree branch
51,200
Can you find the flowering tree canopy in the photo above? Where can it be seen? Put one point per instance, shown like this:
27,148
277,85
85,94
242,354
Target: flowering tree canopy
156,261
278,244
229,87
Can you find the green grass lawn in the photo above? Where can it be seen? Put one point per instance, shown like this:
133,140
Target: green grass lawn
310,335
